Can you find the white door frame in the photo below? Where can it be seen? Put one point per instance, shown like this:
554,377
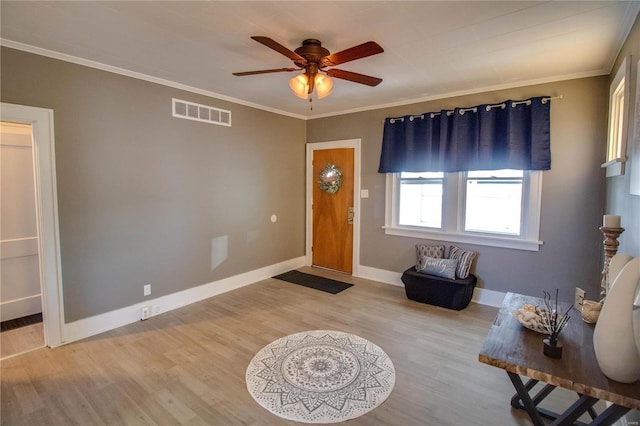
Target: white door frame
41,121
311,180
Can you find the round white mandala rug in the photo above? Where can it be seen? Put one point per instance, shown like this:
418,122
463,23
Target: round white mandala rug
320,376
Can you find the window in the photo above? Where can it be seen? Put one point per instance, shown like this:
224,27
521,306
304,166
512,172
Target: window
421,199
497,208
618,121
615,127
493,201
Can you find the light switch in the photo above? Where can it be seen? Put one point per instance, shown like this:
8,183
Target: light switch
364,193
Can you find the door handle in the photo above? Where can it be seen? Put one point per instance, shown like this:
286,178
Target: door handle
350,214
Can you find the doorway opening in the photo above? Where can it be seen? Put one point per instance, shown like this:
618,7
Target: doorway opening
31,280
21,325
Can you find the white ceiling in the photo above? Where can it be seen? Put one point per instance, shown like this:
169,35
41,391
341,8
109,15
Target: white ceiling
432,49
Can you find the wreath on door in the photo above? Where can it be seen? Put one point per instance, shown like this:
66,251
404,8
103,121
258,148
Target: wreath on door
330,179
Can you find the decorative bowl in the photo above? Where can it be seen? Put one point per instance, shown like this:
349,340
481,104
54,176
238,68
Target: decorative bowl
533,318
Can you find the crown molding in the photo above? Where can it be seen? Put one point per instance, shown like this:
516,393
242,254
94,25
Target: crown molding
140,76
133,74
473,91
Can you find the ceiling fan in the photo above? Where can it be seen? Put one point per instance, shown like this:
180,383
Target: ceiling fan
314,59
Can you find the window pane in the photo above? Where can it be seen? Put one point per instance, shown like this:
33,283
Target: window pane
425,175
421,199
495,173
617,121
493,204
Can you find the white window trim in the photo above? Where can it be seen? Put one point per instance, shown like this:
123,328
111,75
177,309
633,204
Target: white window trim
529,240
615,166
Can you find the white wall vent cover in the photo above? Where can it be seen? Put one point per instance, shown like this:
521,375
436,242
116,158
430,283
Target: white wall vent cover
197,112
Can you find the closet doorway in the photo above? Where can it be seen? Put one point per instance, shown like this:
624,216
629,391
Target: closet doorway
31,284
21,326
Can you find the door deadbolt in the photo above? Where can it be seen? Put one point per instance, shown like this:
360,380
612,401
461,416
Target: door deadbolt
350,214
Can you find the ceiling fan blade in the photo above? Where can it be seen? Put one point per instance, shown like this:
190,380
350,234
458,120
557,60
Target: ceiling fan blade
240,74
356,52
272,44
354,76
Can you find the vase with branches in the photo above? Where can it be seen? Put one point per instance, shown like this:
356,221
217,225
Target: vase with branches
555,323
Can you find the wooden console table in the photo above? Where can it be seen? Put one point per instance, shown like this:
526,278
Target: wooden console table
517,350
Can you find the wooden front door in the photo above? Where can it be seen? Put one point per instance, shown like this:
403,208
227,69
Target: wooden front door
333,213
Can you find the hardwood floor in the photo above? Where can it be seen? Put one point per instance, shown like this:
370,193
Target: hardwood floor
23,339
187,366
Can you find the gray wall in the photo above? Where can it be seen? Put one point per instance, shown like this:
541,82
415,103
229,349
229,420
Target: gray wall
141,194
572,196
619,201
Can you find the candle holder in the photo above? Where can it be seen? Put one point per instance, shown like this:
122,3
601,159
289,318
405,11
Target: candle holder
610,249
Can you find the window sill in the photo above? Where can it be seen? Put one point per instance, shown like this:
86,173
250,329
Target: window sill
454,237
614,167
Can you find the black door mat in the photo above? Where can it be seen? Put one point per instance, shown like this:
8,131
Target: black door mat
20,322
313,281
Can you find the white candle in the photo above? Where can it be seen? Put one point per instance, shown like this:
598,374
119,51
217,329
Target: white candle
611,221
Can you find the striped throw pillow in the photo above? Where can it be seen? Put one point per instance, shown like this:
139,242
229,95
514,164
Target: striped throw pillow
423,251
464,258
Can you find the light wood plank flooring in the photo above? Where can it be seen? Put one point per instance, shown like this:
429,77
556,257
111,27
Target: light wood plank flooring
23,339
187,366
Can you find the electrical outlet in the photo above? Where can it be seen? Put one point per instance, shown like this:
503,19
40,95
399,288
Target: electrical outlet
147,289
145,313
580,295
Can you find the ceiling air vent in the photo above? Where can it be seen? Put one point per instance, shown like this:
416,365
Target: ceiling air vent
197,112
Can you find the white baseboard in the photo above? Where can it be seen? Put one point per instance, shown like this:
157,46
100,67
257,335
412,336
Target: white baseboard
18,308
110,320
480,295
381,275
488,297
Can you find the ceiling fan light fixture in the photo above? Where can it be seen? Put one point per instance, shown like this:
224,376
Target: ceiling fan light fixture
324,85
300,85
313,59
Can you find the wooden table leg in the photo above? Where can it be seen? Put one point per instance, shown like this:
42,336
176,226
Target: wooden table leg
578,408
570,416
515,400
527,402
610,415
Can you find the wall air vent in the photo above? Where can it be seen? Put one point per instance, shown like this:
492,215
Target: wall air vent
197,112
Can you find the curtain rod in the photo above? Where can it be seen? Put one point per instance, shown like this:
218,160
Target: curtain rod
550,98
528,101
475,109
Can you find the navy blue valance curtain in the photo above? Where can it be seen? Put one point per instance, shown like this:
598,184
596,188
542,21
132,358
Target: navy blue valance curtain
509,135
